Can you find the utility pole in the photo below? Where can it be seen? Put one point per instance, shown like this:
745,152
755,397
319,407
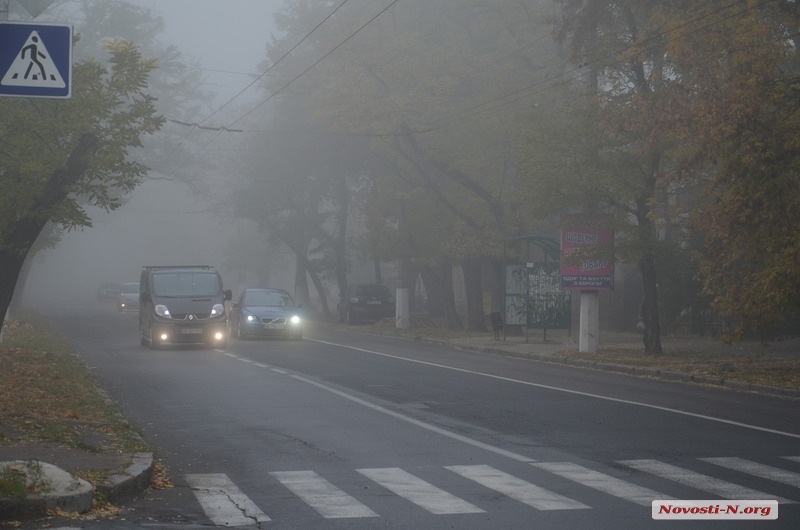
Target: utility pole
402,320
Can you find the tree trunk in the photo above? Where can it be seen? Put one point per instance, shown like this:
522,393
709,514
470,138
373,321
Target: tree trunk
652,328
22,233
323,298
11,265
496,287
341,236
19,291
441,299
301,293
473,285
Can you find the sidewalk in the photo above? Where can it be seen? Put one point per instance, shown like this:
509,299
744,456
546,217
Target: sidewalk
685,359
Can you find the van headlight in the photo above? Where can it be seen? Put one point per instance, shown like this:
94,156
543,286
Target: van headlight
218,309
294,320
162,311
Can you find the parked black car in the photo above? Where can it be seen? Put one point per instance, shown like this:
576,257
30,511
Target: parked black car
266,313
107,291
365,302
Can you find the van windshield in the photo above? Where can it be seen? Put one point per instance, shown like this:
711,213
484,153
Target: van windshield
186,284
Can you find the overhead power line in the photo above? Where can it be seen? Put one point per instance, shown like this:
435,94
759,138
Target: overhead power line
273,65
301,74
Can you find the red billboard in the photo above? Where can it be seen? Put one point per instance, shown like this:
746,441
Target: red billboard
587,260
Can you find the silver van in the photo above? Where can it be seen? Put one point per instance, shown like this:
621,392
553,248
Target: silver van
182,305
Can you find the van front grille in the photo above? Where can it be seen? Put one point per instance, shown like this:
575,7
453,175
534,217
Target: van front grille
191,316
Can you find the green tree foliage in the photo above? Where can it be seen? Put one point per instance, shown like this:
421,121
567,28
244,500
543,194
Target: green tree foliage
612,147
413,79
175,81
738,108
695,110
296,187
657,110
60,155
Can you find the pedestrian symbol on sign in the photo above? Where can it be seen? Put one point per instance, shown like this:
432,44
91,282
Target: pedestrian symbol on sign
33,67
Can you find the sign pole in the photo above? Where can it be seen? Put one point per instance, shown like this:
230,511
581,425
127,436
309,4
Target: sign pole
590,321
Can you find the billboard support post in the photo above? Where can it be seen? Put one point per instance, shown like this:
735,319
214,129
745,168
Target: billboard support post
590,321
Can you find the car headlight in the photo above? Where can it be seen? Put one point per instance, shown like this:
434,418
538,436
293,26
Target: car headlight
162,311
294,320
251,318
218,309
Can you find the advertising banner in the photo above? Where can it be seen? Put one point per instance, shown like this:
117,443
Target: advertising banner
587,260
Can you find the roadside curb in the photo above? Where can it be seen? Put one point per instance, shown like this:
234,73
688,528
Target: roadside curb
71,494
657,373
132,482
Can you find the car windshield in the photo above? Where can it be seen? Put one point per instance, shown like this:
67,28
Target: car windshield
373,290
130,288
186,284
267,298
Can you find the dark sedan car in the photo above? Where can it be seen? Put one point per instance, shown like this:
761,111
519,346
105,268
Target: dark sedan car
365,302
128,297
266,313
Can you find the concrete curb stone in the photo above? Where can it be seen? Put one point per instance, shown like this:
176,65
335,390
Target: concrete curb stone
71,494
66,492
132,482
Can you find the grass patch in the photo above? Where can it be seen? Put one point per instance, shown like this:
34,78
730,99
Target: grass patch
775,364
50,396
20,480
780,371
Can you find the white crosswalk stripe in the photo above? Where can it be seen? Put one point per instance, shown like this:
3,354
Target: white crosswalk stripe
516,488
328,500
719,487
419,492
223,502
225,505
783,476
602,482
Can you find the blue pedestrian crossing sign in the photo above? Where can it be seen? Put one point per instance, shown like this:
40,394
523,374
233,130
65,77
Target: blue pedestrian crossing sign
35,60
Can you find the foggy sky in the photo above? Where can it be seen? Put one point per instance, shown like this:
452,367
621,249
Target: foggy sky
228,37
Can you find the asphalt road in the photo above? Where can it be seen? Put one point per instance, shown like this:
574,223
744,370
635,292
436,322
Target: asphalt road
349,430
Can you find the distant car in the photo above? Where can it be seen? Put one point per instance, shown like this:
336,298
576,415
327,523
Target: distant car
128,297
266,313
365,302
107,291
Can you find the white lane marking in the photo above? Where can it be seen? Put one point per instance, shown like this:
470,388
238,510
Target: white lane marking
278,370
223,502
793,458
518,489
790,478
244,359
568,391
418,423
602,482
231,355
419,492
693,479
260,365
328,500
